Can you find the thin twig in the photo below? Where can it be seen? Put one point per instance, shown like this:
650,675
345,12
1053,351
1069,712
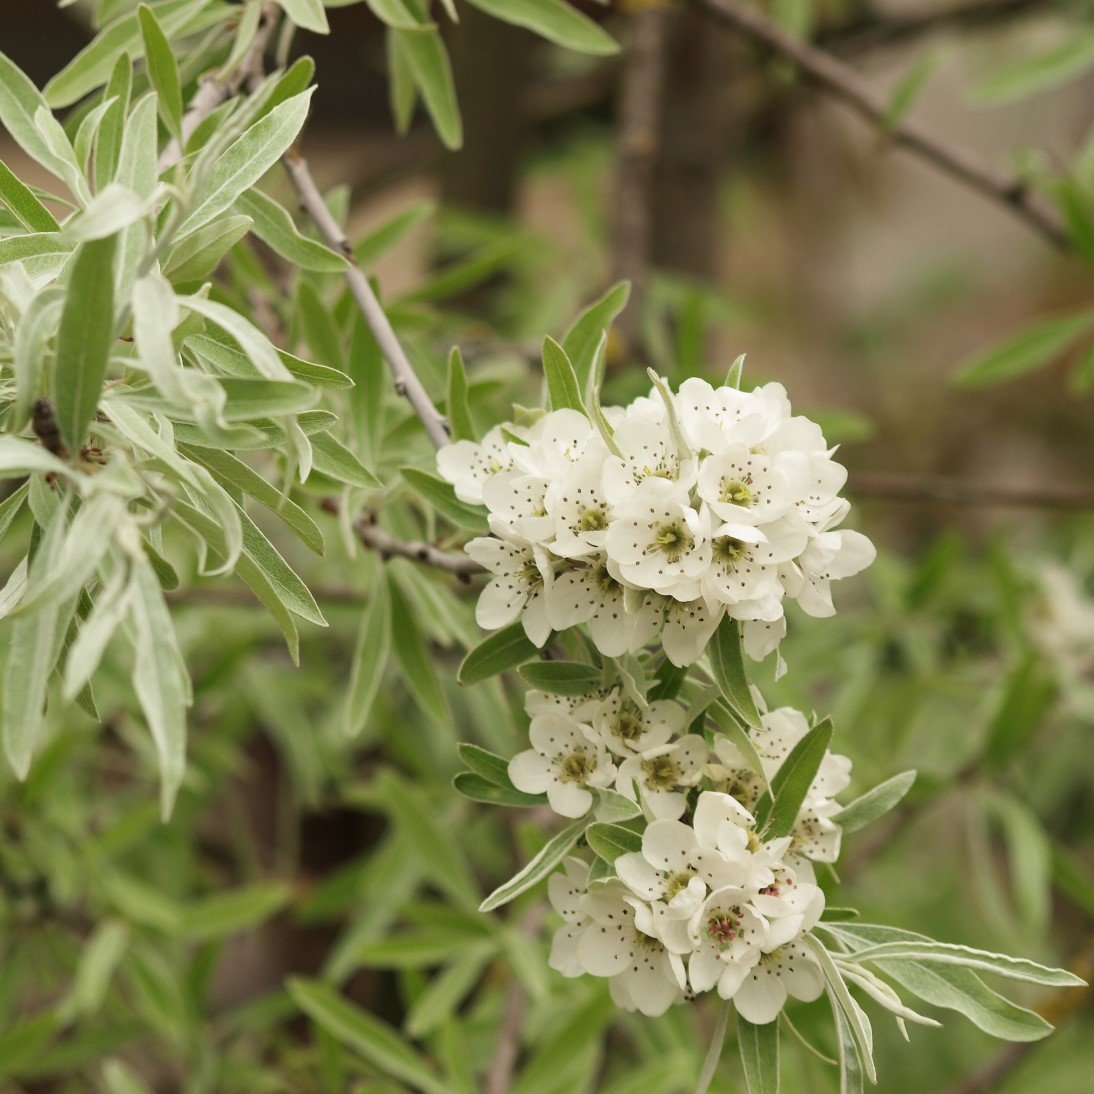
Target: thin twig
835,77
388,546
640,119
499,1078
217,90
406,379
878,28
929,488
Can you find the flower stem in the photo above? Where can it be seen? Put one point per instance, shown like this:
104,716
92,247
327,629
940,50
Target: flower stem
714,1053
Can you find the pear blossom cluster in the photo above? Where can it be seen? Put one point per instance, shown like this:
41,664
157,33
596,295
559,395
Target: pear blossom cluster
708,903
658,519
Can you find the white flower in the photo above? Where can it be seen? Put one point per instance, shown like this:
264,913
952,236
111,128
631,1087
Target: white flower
628,729
726,934
549,702
663,775
744,570
609,933
589,593
522,576
688,629
716,418
659,541
578,510
790,970
517,507
743,486
828,557
567,760
469,466
648,454
556,442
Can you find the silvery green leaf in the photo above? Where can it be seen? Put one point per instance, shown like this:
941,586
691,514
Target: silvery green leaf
84,339
274,226
554,20
20,102
20,456
36,641
395,13
759,1048
11,506
43,255
247,159
875,803
425,59
224,358
842,1001
553,852
111,608
929,952
583,337
882,993
112,209
16,585
137,158
235,472
609,841
334,460
30,357
21,200
109,138
307,14
159,679
250,339
135,427
53,133
197,255
612,806
565,393
162,68
779,806
727,662
87,134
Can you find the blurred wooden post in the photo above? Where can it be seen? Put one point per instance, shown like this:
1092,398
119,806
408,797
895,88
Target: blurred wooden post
491,63
639,119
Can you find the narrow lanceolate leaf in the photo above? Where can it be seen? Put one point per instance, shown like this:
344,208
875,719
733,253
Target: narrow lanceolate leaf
1028,696
561,677
759,1047
274,226
562,385
929,952
1033,347
728,723
852,1077
505,649
20,107
248,158
426,60
336,461
555,20
442,497
370,658
778,808
197,255
412,653
547,859
163,70
21,456
843,1004
610,841
478,789
875,803
611,806
458,407
160,681
224,914
35,645
364,1034
307,14
727,663
84,339
250,339
489,765
583,338
20,199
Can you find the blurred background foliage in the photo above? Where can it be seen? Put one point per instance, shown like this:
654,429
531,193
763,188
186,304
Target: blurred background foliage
138,955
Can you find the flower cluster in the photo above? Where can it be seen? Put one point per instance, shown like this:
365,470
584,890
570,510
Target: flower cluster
653,525
709,901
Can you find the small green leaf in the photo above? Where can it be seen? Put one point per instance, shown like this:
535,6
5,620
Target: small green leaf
84,339
163,70
778,808
1028,696
875,803
1035,346
197,255
482,790
336,461
426,59
759,1047
1040,72
458,408
275,227
554,20
727,663
562,384
553,852
907,90
504,649
489,765
441,496
307,15
561,677
232,912
20,199
610,841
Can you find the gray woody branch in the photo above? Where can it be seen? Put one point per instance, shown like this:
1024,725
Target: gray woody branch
838,79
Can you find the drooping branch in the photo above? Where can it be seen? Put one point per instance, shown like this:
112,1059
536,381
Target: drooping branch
838,79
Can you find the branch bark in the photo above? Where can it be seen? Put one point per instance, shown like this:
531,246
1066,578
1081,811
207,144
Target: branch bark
838,79
388,546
